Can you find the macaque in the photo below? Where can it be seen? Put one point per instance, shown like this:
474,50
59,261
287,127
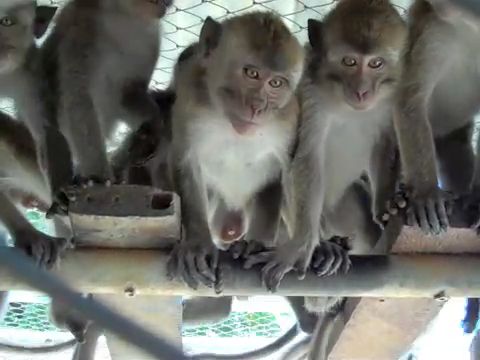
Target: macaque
20,173
21,21
233,126
98,63
434,116
346,99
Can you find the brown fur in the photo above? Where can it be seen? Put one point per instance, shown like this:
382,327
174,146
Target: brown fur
373,24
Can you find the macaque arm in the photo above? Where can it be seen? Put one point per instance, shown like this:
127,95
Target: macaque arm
195,259
51,146
304,204
44,249
424,63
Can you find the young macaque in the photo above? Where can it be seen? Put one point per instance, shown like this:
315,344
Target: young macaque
233,127
346,99
20,22
434,117
99,61
20,173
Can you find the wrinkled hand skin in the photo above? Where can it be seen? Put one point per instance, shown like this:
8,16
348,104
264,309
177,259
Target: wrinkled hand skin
331,257
428,211
280,261
45,250
195,264
62,197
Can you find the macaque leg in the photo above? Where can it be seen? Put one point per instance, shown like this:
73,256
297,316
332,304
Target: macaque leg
144,118
44,249
353,218
78,121
86,350
67,318
306,319
456,160
265,215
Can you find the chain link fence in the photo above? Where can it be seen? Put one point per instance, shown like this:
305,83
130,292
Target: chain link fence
183,22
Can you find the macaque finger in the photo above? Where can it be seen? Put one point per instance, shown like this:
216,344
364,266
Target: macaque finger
432,216
206,274
443,209
187,271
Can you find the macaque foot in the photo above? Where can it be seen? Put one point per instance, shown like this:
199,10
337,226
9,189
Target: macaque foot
471,206
244,249
429,211
331,257
66,194
195,263
390,209
278,262
45,250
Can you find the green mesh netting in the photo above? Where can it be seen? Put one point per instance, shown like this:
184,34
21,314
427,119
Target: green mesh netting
239,324
28,316
32,316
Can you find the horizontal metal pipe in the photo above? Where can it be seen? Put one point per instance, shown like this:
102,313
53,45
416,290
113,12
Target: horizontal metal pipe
144,272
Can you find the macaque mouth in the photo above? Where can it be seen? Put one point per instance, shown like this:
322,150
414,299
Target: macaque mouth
243,126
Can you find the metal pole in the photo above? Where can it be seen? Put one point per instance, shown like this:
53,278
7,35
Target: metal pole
144,272
25,270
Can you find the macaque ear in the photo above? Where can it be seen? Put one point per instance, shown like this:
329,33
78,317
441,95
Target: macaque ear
210,36
315,34
43,17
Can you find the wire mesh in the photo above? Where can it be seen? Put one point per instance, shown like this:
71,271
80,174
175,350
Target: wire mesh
183,22
35,317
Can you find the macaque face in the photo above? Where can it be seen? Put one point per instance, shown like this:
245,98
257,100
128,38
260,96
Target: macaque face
16,33
362,80
249,89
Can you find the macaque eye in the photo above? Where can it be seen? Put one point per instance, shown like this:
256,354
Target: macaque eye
349,61
376,63
7,21
276,83
251,73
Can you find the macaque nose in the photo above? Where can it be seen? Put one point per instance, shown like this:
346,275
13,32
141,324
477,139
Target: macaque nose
257,105
362,95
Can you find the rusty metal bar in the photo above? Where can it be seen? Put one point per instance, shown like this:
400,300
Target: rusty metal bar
143,272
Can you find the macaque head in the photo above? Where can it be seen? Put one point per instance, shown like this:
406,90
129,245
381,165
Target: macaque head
20,22
359,46
145,8
253,65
